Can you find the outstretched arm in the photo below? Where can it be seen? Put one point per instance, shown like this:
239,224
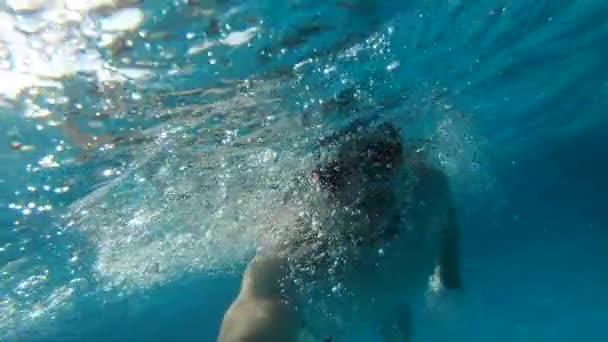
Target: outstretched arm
434,186
262,311
449,252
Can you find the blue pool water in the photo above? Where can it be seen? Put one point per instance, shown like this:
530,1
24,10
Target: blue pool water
143,238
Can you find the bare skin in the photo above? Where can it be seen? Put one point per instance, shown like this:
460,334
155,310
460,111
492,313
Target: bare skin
428,241
262,311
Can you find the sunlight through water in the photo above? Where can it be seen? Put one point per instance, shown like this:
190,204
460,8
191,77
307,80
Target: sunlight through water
150,145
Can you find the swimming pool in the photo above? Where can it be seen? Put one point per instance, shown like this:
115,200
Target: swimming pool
144,138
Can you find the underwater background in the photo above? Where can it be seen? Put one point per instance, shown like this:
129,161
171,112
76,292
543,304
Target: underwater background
142,139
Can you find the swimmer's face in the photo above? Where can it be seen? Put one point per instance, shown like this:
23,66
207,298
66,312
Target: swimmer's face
368,156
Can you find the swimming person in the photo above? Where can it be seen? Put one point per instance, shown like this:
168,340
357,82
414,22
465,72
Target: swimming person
374,217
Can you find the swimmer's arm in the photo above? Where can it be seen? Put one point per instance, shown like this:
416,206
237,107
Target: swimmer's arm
85,141
77,136
449,248
449,252
88,142
260,313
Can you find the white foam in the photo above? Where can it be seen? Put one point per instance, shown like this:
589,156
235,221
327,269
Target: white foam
237,38
187,211
128,19
198,48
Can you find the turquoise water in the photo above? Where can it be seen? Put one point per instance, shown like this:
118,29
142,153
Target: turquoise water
216,103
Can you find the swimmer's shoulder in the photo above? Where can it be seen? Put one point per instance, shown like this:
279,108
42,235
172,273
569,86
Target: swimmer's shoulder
431,175
431,184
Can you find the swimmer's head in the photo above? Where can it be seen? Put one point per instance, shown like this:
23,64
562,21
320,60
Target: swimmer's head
370,154
380,147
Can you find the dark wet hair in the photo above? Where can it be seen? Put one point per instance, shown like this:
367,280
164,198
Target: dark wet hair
371,152
331,176
383,145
